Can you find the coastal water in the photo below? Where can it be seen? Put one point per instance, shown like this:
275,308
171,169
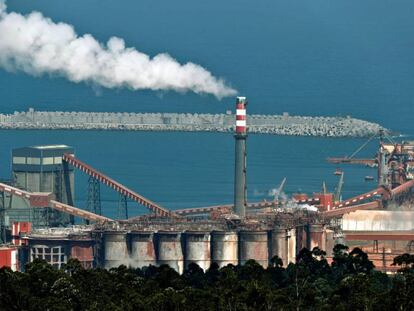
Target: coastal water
179,170
319,57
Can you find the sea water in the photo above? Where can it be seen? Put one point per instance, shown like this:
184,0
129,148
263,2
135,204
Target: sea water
343,57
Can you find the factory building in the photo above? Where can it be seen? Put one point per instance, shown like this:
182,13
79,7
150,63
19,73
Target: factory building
57,245
39,169
137,249
382,234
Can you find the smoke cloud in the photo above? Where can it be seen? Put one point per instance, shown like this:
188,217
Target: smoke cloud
36,45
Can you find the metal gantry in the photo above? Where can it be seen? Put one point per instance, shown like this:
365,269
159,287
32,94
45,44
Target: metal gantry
93,203
123,207
111,183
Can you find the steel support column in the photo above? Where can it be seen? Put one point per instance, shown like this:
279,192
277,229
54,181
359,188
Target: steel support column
93,203
3,218
123,207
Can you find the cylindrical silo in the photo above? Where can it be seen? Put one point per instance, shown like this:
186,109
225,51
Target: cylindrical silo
291,237
329,242
302,237
170,251
254,245
197,249
316,236
142,249
224,248
279,245
116,250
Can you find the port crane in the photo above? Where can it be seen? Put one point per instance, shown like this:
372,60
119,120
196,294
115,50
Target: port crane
280,189
338,190
352,160
395,163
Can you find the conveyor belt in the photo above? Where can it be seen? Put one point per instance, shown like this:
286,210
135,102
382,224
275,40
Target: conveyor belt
158,210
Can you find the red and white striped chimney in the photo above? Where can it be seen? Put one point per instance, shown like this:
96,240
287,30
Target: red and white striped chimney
241,115
240,186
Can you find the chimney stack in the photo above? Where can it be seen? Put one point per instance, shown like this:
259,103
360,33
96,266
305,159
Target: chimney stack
240,186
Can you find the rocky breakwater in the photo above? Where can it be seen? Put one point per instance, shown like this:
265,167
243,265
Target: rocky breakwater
262,124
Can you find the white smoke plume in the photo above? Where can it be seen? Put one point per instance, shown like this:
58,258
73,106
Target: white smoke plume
36,45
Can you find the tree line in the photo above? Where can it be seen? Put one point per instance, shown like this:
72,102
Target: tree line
349,282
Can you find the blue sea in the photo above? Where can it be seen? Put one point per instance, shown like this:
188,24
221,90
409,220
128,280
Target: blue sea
318,57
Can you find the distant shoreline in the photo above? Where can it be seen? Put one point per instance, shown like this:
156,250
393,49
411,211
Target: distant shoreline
283,125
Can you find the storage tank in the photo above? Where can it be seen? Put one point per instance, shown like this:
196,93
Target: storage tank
279,245
224,248
83,250
116,250
254,245
142,249
197,249
302,237
291,251
329,242
170,251
316,236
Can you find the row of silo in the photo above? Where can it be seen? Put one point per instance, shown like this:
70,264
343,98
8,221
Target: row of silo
179,249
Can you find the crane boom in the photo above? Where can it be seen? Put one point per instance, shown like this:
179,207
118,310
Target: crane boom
346,160
280,189
339,188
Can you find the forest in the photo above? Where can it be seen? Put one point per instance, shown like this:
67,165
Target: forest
349,282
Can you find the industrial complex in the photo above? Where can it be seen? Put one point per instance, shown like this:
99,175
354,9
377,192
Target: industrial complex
37,211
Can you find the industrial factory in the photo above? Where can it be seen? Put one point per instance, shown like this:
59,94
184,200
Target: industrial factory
37,215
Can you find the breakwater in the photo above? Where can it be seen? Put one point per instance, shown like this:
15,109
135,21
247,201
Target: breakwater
284,124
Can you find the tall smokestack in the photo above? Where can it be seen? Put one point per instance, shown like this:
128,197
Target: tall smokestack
240,187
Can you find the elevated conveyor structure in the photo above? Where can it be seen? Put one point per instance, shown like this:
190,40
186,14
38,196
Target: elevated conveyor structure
250,206
384,192
362,197
45,199
36,199
402,188
132,195
78,212
357,202
339,212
